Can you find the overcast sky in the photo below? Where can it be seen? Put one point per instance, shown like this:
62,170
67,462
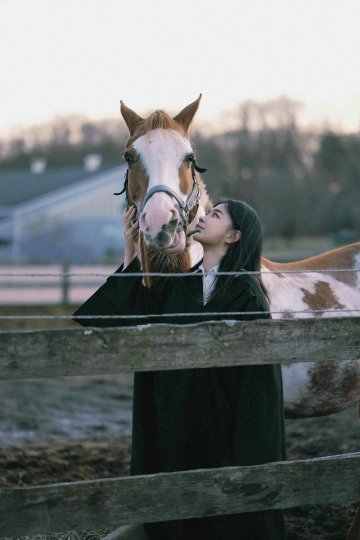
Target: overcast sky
82,56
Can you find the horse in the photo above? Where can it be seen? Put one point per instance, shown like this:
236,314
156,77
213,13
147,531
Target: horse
164,182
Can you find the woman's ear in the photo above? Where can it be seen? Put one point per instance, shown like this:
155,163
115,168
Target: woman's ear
233,236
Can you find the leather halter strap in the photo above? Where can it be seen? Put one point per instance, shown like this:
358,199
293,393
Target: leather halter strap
183,207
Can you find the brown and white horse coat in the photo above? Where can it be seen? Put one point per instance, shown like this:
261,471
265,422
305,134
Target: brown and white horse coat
159,152
314,389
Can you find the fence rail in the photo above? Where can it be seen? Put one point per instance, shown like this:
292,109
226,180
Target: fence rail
166,496
117,501
94,351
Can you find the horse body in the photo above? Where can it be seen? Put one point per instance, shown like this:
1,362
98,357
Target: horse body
317,389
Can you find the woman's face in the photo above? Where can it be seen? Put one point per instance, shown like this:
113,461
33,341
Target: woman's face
214,227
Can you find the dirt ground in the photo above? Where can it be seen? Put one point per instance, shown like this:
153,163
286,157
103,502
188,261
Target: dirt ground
79,428
46,461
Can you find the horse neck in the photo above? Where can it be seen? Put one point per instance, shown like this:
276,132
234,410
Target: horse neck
176,263
347,256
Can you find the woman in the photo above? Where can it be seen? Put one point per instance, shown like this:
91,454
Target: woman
203,418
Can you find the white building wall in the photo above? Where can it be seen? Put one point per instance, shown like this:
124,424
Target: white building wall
89,198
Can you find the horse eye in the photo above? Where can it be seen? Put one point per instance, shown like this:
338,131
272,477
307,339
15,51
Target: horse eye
129,158
190,158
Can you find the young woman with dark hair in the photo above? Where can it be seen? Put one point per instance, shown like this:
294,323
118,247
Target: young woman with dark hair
202,418
244,253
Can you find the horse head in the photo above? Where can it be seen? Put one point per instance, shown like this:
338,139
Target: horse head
162,176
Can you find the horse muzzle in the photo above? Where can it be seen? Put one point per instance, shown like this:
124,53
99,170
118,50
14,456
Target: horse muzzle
170,239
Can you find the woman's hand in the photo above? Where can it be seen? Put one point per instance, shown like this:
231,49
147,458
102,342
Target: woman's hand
131,234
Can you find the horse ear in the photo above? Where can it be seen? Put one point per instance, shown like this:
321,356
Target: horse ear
186,116
132,119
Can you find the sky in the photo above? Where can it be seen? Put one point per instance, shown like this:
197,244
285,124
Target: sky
60,57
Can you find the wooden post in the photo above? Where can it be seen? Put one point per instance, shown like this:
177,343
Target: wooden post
65,283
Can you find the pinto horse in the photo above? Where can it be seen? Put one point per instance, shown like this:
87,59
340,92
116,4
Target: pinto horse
164,184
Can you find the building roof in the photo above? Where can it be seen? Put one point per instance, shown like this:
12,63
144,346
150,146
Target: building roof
22,185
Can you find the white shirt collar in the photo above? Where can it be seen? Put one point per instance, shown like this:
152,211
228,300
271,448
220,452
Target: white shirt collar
212,270
208,281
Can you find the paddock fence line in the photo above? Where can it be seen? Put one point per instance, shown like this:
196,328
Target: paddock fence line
59,284
160,497
67,284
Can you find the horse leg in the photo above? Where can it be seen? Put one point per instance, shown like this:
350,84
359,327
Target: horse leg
354,531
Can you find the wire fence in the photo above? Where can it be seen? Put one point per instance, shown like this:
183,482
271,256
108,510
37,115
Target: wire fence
207,314
178,274
66,283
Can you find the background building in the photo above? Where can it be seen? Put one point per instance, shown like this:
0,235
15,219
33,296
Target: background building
69,213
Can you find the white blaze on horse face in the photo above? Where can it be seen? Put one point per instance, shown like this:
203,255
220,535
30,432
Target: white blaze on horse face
161,151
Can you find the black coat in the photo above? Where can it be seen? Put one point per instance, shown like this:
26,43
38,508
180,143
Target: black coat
199,418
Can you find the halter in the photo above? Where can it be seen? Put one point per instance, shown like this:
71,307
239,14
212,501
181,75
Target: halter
184,208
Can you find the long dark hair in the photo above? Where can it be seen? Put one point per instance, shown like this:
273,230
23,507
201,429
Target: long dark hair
244,254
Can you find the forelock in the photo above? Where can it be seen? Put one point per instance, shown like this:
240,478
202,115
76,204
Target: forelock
158,119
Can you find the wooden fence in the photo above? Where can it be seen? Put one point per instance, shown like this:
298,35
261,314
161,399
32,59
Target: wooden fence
126,500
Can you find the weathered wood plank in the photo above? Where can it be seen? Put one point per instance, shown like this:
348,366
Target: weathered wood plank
52,353
177,495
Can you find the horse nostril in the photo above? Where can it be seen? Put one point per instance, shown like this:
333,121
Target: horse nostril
162,238
172,225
